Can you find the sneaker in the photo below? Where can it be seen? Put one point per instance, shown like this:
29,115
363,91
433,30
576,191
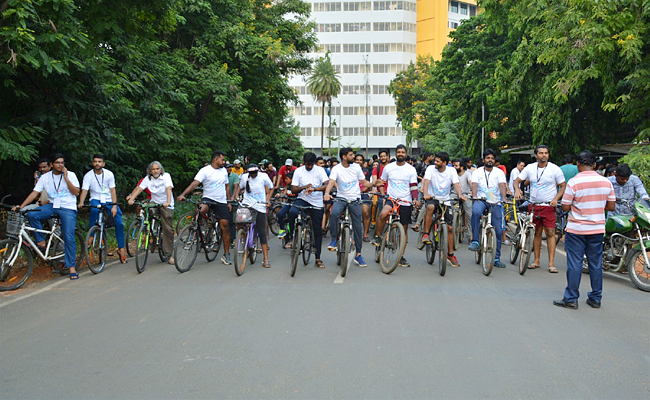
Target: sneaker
366,239
360,261
426,239
404,263
226,259
332,246
376,241
473,246
499,264
453,261
282,234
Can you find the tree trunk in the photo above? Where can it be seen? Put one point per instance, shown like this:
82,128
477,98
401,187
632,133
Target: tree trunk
322,131
329,130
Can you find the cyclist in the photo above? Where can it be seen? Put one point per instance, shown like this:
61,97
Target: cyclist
101,183
257,189
282,214
465,181
365,207
545,178
237,168
490,183
160,185
43,166
320,162
384,158
347,176
627,186
62,187
437,184
401,180
307,181
214,178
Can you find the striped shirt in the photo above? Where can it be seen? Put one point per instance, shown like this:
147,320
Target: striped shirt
587,193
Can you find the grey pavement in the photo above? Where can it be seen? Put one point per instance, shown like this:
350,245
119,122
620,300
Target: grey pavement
413,334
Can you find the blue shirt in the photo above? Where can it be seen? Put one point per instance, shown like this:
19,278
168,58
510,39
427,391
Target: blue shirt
632,190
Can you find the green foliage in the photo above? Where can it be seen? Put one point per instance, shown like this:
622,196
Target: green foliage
323,83
639,160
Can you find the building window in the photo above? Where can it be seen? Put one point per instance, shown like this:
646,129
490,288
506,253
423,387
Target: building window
394,27
332,48
388,68
394,6
463,9
357,6
355,69
328,28
453,25
353,89
394,47
453,7
472,11
356,48
322,7
383,110
356,26
379,89
334,110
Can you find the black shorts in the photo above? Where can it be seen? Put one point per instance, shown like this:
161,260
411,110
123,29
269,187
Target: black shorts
219,210
404,212
365,197
449,212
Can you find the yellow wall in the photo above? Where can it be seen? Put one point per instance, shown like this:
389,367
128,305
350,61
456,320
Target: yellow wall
432,26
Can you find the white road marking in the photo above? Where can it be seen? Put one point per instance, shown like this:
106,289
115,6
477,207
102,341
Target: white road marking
557,249
339,278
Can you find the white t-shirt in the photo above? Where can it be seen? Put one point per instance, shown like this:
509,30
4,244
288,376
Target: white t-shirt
317,177
57,189
214,183
100,185
465,181
347,180
158,188
543,181
440,184
258,192
399,179
488,183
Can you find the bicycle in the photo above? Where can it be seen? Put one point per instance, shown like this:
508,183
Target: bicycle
203,232
303,237
247,243
485,254
522,240
18,250
149,236
96,246
458,219
438,243
272,214
345,240
393,240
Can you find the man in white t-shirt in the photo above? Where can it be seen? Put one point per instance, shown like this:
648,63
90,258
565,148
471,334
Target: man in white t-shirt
489,183
160,185
514,174
309,182
436,186
347,175
401,180
101,184
216,191
465,182
62,187
545,178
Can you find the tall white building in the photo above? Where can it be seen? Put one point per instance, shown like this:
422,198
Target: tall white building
378,36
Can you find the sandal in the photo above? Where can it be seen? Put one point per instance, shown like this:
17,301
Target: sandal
552,270
74,276
319,264
266,264
533,266
122,254
288,246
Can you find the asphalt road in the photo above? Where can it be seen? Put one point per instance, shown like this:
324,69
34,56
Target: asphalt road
413,334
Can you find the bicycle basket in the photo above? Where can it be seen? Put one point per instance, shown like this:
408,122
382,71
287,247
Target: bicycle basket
14,223
244,215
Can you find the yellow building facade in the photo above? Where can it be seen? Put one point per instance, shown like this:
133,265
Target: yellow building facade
436,19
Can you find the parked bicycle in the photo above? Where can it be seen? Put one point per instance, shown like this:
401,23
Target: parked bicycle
393,240
149,236
202,233
303,237
96,240
523,236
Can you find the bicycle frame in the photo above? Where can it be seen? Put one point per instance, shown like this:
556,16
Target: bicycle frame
23,236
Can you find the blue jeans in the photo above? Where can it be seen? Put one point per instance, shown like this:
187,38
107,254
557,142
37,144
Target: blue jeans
576,246
119,224
497,221
282,215
357,222
316,222
68,222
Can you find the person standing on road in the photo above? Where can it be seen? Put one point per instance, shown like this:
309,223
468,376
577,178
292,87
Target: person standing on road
569,169
62,187
490,183
545,178
309,182
160,184
465,182
347,176
588,195
216,189
627,186
101,183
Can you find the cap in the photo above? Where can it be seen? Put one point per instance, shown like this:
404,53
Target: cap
252,168
288,162
237,162
229,165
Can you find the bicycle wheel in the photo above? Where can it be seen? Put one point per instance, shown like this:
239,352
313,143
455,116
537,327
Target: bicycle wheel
186,248
14,276
516,246
252,252
638,269
442,248
184,220
141,252
420,234
131,235
295,248
159,243
392,247
461,230
526,251
478,254
455,227
56,254
377,253
307,244
272,219
240,251
210,245
96,249
345,250
430,248
490,247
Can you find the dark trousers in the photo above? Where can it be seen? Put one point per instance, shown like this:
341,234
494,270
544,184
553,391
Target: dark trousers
576,247
357,222
68,223
497,222
316,222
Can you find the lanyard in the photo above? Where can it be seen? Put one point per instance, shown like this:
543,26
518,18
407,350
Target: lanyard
538,175
101,185
54,184
487,178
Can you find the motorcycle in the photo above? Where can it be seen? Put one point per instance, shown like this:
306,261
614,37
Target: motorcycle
626,244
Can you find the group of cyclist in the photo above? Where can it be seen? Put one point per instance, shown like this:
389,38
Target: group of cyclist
434,182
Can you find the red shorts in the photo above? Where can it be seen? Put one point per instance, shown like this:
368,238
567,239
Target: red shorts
544,216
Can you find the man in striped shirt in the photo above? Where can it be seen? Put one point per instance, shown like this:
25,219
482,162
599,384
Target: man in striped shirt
588,195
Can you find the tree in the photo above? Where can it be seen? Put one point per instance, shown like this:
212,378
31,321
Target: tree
323,83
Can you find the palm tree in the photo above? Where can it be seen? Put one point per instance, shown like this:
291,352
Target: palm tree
323,83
